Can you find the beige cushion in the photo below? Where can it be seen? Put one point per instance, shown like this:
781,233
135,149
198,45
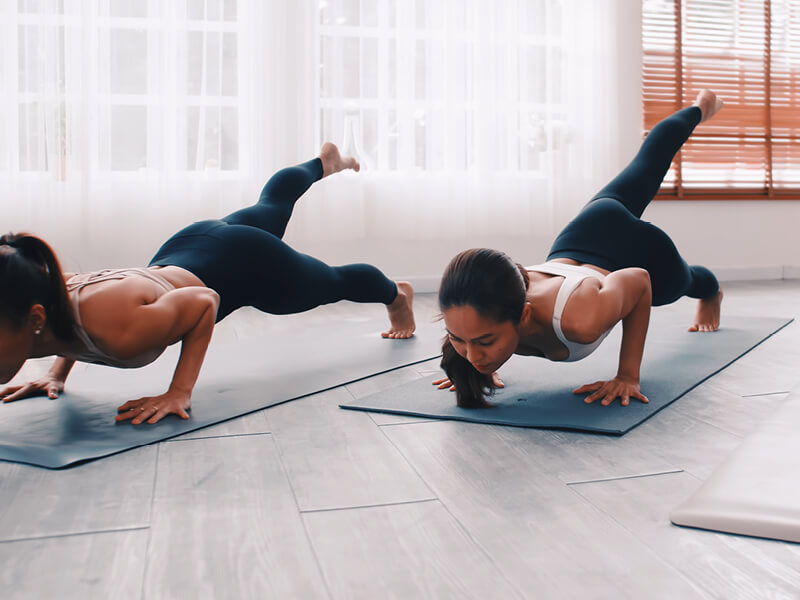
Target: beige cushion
756,491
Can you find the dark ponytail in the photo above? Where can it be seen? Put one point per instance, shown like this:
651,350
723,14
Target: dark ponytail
495,286
30,274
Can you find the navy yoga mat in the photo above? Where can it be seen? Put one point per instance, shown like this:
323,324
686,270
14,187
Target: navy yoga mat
538,393
237,378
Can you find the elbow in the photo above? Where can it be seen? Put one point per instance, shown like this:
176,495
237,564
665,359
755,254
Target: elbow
212,299
644,277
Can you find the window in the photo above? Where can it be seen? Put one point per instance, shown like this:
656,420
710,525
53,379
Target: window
747,51
116,86
441,85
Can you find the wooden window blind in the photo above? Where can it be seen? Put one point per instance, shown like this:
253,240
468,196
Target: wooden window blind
748,52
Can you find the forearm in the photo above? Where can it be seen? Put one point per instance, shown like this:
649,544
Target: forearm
634,333
61,368
193,350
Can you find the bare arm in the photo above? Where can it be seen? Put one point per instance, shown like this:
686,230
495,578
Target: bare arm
186,315
625,296
635,297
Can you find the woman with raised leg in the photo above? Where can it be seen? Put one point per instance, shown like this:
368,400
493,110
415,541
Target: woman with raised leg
127,317
607,266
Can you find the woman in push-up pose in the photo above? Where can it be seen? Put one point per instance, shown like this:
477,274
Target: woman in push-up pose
606,266
127,317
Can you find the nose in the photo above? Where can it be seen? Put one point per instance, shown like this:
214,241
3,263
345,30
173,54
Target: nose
475,354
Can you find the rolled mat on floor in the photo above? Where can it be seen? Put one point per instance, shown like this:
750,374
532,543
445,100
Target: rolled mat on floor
538,393
756,491
237,378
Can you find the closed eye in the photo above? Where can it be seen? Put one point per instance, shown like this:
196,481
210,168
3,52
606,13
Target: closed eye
480,341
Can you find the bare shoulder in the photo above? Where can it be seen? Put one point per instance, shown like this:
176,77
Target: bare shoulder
583,318
108,306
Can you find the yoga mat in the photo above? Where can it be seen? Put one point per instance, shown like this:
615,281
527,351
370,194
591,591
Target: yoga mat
236,378
538,392
756,491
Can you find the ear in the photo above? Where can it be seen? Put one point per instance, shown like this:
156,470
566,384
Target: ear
37,318
527,312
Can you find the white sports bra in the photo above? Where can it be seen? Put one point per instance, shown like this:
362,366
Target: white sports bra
573,275
94,354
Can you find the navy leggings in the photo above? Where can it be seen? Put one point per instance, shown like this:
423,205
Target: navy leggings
609,232
244,260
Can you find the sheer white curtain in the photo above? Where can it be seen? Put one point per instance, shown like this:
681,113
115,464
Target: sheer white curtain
121,121
478,122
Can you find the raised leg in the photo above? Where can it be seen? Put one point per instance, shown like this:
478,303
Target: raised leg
276,203
638,183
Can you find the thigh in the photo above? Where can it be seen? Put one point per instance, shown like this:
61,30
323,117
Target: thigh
607,235
263,271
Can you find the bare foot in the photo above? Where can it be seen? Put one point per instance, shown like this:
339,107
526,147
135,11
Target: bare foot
708,103
333,162
401,313
707,316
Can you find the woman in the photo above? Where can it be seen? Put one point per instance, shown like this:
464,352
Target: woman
606,266
127,317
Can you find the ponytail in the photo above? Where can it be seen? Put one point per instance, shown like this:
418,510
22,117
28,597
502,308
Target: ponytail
31,274
471,385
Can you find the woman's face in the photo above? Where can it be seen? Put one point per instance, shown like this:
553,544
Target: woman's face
15,347
484,342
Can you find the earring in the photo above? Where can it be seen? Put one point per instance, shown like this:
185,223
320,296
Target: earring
38,331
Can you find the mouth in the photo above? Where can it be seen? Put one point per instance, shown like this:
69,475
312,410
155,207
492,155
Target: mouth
483,368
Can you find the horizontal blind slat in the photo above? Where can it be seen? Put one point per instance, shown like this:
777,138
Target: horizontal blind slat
724,46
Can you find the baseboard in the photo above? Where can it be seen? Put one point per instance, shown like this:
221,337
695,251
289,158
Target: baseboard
423,284
749,273
429,284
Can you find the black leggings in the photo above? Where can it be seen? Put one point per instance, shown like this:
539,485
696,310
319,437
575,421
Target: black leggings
609,232
243,258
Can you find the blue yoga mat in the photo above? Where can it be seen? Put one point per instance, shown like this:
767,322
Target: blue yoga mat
236,379
538,393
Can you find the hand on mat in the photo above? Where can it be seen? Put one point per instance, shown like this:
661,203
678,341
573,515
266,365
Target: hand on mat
446,383
611,390
44,386
155,408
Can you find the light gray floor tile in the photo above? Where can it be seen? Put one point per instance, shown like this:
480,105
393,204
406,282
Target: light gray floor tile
252,424
574,456
714,404
339,458
113,493
225,524
544,538
79,567
769,367
403,551
686,443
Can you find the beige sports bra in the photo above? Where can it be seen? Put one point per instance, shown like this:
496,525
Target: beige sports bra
94,354
573,275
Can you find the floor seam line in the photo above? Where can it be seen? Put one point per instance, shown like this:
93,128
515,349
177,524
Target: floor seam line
73,534
360,506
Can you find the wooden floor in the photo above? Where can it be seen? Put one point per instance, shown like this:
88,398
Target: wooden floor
306,500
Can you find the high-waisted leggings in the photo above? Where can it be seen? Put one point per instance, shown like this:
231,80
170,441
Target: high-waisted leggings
243,258
609,232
